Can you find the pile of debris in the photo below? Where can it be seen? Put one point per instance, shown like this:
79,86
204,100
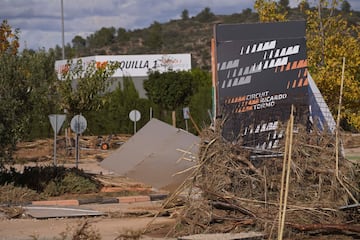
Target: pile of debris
230,193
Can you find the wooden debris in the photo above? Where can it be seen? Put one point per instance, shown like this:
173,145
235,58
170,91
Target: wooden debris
228,193
225,236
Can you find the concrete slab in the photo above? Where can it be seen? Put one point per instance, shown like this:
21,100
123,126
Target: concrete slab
43,212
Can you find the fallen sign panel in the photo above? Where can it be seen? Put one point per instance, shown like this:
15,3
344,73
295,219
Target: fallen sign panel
155,155
225,236
42,212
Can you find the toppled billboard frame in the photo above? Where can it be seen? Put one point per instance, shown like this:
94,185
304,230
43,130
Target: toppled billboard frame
261,70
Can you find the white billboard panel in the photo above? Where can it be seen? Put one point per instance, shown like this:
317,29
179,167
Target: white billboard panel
135,65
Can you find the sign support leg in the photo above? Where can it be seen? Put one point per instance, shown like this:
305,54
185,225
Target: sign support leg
55,137
77,154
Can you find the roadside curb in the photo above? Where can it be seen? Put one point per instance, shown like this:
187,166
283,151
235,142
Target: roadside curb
124,199
70,202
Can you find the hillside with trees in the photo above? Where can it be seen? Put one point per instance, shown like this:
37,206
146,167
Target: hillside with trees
186,35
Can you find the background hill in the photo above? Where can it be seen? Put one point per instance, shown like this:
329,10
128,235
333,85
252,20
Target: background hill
186,35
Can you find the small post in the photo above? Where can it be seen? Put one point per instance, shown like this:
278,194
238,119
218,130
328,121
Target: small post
173,114
77,152
135,124
55,137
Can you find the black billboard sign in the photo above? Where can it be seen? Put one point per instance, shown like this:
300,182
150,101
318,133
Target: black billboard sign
261,71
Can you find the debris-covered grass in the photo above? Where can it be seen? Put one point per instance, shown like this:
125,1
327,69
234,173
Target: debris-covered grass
11,194
36,183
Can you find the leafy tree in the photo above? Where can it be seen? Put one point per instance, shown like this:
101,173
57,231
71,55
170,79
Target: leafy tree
57,51
154,39
17,98
43,97
13,95
185,14
79,44
14,103
107,119
330,39
130,101
284,5
246,11
122,35
205,15
345,6
304,6
175,90
270,11
113,117
9,39
103,37
170,90
201,101
83,85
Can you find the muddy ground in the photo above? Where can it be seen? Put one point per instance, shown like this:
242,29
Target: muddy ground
119,218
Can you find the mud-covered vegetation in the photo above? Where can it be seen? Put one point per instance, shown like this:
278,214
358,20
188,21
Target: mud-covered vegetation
35,183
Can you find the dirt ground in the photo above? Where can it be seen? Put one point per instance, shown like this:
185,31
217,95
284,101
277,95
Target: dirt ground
117,219
109,227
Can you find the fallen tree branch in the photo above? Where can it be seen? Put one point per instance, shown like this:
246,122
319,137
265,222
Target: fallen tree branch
246,162
327,227
229,206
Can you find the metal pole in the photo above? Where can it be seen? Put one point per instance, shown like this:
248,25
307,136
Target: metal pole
55,136
77,151
62,30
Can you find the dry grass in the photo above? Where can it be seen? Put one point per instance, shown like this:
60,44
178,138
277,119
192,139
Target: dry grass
11,194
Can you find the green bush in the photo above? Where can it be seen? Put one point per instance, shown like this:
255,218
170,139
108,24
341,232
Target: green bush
72,183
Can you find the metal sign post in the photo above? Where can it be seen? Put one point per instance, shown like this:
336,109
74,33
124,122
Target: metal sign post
134,116
78,124
186,112
56,121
